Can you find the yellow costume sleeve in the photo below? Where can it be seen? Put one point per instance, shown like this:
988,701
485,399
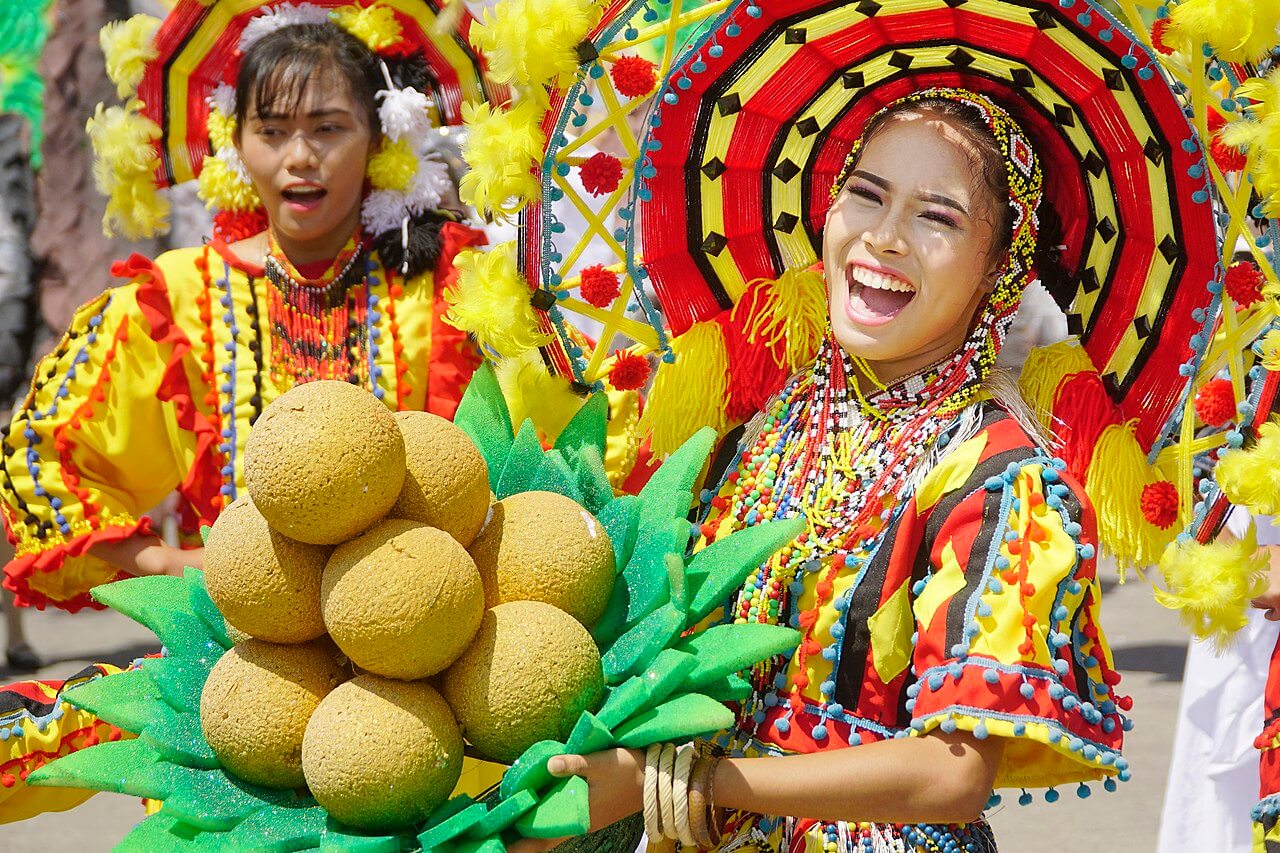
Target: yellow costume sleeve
97,441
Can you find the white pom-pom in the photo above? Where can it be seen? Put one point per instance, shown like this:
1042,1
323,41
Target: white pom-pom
276,17
384,210
429,186
404,113
223,99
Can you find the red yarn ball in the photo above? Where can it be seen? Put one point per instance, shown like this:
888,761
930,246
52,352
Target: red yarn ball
1160,503
599,286
1216,402
601,174
634,76
630,371
1243,283
230,226
1158,30
1228,157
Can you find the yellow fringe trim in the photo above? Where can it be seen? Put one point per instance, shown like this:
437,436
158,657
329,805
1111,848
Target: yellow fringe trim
1043,372
1210,585
502,148
1118,472
690,392
793,312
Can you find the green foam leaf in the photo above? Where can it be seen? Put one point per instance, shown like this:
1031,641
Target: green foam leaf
726,649
633,651
592,478
128,699
139,598
185,636
588,428
178,738
621,520
523,463
529,773
216,801
179,680
453,826
589,735
203,607
162,832
123,767
483,415
502,815
344,839
472,845
555,475
279,829
656,683
679,720
680,471
726,563
563,811
204,534
646,573
731,688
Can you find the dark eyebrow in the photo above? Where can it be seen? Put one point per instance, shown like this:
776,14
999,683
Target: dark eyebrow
934,198
320,113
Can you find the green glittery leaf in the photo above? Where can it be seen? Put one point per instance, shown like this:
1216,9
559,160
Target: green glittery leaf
731,688
588,428
278,829
646,574
453,826
123,767
680,471
130,699
163,832
635,649
621,520
725,649
589,735
592,478
529,773
178,738
344,839
202,606
563,811
483,415
502,815
681,719
555,475
141,598
725,563
204,534
523,463
660,680
216,801
179,680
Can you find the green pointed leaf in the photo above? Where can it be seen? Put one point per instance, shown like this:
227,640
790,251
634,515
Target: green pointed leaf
620,518
344,839
128,699
726,562
592,478
180,681
503,815
680,471
279,829
563,811
137,598
202,606
529,773
613,622
588,428
679,720
726,649
204,534
472,845
163,832
483,415
635,649
731,688
178,738
216,801
554,475
453,826
659,681
589,735
523,463
185,636
648,580
122,767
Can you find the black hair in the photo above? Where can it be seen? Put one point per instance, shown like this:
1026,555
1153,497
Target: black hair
274,75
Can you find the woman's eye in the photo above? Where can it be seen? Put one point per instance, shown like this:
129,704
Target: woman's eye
864,193
940,218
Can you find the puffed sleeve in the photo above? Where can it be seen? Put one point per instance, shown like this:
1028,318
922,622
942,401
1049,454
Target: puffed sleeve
1009,643
98,440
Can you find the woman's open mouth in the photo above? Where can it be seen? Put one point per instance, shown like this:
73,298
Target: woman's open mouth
303,197
875,298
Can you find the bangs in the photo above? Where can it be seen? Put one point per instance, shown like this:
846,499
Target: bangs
284,88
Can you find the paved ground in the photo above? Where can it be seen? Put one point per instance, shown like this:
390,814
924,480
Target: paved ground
1149,649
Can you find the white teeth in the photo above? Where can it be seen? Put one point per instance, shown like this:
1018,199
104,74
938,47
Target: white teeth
879,281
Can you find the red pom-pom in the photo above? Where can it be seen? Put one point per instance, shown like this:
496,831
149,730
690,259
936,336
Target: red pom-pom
634,76
1243,283
1158,30
601,174
599,286
630,371
1216,402
1160,503
1228,157
231,226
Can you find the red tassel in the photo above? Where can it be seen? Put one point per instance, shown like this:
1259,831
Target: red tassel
1082,409
757,370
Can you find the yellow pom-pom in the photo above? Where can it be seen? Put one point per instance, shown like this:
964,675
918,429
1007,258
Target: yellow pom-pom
690,392
124,166
375,25
222,130
127,48
534,42
1237,30
533,392
1251,478
1210,585
394,166
491,301
502,148
1270,346
222,188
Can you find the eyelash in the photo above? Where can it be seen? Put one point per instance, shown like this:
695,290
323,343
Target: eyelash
940,218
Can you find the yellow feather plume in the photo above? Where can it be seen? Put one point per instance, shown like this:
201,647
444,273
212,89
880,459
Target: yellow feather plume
534,42
1251,478
795,312
222,189
502,148
1260,137
1210,585
124,167
222,130
1237,30
1118,472
690,392
534,392
374,25
127,47
491,301
393,166
1270,346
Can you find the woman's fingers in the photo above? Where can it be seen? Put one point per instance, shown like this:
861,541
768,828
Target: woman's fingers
569,765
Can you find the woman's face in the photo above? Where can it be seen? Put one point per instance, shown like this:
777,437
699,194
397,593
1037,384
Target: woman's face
906,247
309,167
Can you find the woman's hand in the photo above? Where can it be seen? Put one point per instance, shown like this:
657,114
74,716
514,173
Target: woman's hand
149,555
615,786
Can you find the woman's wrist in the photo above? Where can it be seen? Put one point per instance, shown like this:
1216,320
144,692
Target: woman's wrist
147,555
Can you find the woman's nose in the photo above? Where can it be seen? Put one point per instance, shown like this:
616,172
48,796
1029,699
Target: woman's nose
300,153
886,236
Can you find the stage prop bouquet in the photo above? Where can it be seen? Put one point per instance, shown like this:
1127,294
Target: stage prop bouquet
394,586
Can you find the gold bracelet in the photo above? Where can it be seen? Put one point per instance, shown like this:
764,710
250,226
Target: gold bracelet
698,804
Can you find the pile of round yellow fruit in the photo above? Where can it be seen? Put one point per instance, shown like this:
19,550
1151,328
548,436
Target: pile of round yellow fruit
386,608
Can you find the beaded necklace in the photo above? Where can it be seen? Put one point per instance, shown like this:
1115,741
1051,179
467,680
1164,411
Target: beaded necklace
319,327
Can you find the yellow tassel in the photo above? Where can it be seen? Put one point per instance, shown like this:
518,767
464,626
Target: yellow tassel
1210,585
221,188
490,300
393,166
222,130
374,25
1251,478
534,392
124,167
1043,372
1237,30
1118,472
534,42
794,312
127,48
690,392
502,149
